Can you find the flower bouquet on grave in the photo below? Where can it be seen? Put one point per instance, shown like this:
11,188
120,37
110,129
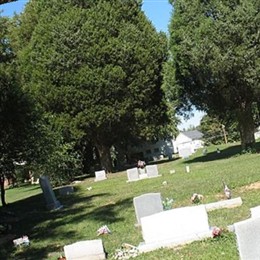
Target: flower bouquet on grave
140,164
126,251
167,204
196,198
216,231
103,230
22,241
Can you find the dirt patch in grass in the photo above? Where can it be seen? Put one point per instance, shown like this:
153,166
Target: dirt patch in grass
252,186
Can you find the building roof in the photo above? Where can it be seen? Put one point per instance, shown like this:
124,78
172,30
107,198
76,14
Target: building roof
193,135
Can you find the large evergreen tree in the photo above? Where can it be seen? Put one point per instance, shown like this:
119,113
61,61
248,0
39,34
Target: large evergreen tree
216,58
96,68
16,111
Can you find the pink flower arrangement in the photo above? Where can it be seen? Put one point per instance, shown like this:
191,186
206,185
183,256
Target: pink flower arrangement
216,231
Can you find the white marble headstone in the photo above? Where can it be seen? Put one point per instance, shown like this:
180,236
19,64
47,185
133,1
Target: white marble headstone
132,174
147,204
174,227
152,171
255,212
85,250
248,238
185,152
100,175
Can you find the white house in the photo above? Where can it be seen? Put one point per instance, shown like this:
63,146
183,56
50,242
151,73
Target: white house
189,140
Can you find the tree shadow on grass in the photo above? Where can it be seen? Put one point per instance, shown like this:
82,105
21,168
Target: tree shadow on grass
224,154
42,225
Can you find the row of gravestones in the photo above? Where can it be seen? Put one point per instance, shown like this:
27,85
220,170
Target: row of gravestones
133,174
168,228
150,171
183,225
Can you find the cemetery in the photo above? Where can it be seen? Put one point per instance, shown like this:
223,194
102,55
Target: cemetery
116,219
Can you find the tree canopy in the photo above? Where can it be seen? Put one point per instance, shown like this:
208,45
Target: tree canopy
215,58
96,68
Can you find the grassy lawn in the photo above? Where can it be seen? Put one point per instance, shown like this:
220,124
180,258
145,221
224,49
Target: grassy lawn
110,203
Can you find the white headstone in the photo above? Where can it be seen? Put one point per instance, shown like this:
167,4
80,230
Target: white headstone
174,227
51,201
152,171
100,175
248,238
85,250
132,174
255,212
187,168
185,152
147,204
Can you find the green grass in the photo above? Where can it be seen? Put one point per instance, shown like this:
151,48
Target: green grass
110,203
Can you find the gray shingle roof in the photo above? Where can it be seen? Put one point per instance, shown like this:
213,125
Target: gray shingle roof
193,135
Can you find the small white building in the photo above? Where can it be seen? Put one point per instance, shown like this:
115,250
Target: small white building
189,140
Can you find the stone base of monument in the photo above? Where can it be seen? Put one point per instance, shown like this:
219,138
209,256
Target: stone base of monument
174,242
174,227
54,206
88,249
232,203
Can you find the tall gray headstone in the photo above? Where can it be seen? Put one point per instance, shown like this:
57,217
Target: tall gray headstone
147,204
85,250
248,238
100,175
132,174
152,171
51,201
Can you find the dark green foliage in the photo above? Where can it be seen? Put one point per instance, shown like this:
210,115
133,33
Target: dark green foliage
216,59
96,69
213,130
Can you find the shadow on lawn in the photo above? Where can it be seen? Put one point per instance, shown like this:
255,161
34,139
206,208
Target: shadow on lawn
40,224
224,154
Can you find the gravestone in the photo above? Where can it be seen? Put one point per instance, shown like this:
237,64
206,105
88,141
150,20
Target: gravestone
66,190
132,174
51,201
255,212
187,168
147,204
174,227
85,250
248,238
100,175
185,152
152,171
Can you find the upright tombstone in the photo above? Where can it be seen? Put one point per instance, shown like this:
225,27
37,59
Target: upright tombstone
132,174
255,212
51,201
248,238
174,227
85,250
185,152
147,204
100,175
152,171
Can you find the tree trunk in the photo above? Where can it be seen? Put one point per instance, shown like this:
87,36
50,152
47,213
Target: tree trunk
246,126
2,188
105,157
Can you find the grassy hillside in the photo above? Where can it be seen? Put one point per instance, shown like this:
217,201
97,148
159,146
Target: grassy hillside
110,203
